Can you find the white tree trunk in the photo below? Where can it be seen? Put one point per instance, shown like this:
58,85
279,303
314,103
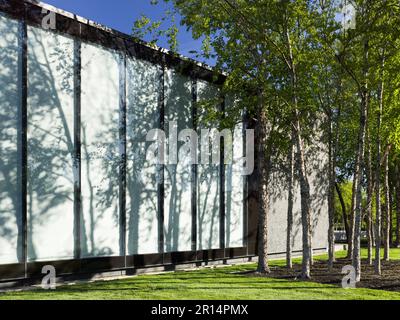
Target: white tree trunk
397,188
263,183
331,197
350,240
289,234
369,203
361,156
378,184
386,249
358,207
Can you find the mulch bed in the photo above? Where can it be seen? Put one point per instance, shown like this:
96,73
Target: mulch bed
389,279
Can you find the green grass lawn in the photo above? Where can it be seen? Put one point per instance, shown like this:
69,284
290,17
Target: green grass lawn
207,283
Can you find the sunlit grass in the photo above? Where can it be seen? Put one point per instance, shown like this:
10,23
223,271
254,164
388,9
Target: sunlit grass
207,283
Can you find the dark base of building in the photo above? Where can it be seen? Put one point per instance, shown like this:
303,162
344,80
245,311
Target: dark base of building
111,267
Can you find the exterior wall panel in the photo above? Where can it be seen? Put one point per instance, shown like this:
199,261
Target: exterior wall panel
177,177
234,190
100,151
142,116
50,146
208,191
10,213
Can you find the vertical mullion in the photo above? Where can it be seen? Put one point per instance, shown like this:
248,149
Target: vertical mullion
122,152
77,149
194,169
23,138
160,166
245,198
222,187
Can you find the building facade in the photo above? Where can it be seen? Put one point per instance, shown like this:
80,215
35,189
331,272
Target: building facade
77,191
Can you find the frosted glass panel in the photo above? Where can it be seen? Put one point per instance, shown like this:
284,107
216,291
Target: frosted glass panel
208,185
234,196
100,151
142,116
50,146
177,177
9,103
50,151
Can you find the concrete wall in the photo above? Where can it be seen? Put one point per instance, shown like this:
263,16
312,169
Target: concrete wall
317,170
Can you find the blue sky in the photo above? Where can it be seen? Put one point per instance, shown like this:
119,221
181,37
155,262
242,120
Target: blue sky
120,15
